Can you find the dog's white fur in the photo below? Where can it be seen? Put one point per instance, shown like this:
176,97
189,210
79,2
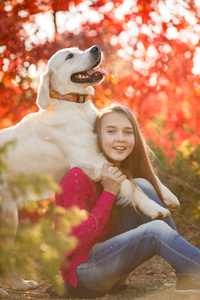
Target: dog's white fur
60,136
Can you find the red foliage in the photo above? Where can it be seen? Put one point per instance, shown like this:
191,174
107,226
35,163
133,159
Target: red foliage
150,71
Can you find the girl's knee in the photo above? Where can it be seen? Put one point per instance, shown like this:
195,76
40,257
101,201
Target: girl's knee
148,189
143,183
159,227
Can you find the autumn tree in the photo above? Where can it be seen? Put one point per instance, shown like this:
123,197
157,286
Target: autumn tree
151,53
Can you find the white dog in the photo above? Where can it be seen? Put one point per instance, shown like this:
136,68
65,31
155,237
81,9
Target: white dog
60,135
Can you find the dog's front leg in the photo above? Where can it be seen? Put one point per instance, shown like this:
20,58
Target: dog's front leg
94,167
9,221
18,283
130,193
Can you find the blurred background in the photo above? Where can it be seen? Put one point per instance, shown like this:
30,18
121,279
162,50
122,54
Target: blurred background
152,55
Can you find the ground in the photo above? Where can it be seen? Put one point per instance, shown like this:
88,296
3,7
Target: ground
153,280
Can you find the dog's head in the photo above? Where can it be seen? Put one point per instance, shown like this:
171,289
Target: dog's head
71,71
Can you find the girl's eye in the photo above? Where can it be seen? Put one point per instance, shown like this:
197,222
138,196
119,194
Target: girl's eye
129,132
70,55
110,131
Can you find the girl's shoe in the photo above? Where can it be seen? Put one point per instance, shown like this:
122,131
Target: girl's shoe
187,284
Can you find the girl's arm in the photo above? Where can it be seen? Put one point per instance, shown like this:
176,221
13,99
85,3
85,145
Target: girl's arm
79,190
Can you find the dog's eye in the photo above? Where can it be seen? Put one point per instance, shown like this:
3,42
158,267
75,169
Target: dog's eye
70,55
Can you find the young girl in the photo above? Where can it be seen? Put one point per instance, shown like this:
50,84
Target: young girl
115,240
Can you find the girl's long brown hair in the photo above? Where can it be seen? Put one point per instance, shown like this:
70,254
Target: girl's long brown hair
139,163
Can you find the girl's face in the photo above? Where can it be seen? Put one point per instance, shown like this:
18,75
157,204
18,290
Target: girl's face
117,137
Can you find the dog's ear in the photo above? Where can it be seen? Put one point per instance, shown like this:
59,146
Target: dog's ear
43,98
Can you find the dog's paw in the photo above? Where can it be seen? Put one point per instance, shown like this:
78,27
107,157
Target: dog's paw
155,211
169,199
20,284
148,207
3,294
26,285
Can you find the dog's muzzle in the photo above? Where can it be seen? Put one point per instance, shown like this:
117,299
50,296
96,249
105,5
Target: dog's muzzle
93,74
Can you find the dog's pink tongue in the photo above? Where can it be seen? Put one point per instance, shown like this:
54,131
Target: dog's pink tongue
100,71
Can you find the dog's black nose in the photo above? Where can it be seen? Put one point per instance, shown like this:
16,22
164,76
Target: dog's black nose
95,49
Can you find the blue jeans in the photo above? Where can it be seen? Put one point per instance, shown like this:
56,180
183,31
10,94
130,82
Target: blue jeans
137,239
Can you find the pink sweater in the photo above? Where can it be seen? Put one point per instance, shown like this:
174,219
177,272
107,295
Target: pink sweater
79,190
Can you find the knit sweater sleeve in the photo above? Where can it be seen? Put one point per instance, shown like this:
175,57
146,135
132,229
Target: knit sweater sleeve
79,190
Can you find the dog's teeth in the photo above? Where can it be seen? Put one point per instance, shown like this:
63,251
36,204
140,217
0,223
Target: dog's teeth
81,76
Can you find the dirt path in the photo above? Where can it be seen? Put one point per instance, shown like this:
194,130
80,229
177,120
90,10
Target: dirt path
153,280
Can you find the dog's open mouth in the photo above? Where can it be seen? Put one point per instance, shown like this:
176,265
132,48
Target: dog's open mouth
92,75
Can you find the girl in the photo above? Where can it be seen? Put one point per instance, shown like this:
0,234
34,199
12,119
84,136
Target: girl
115,240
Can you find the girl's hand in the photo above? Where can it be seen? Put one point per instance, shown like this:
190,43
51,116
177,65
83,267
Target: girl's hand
111,178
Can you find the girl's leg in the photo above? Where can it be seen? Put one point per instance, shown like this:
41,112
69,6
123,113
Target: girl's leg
149,190
112,260
129,218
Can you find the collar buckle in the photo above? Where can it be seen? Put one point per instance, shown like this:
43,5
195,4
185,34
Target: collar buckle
80,98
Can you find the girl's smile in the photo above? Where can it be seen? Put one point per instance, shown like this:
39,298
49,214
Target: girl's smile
117,137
